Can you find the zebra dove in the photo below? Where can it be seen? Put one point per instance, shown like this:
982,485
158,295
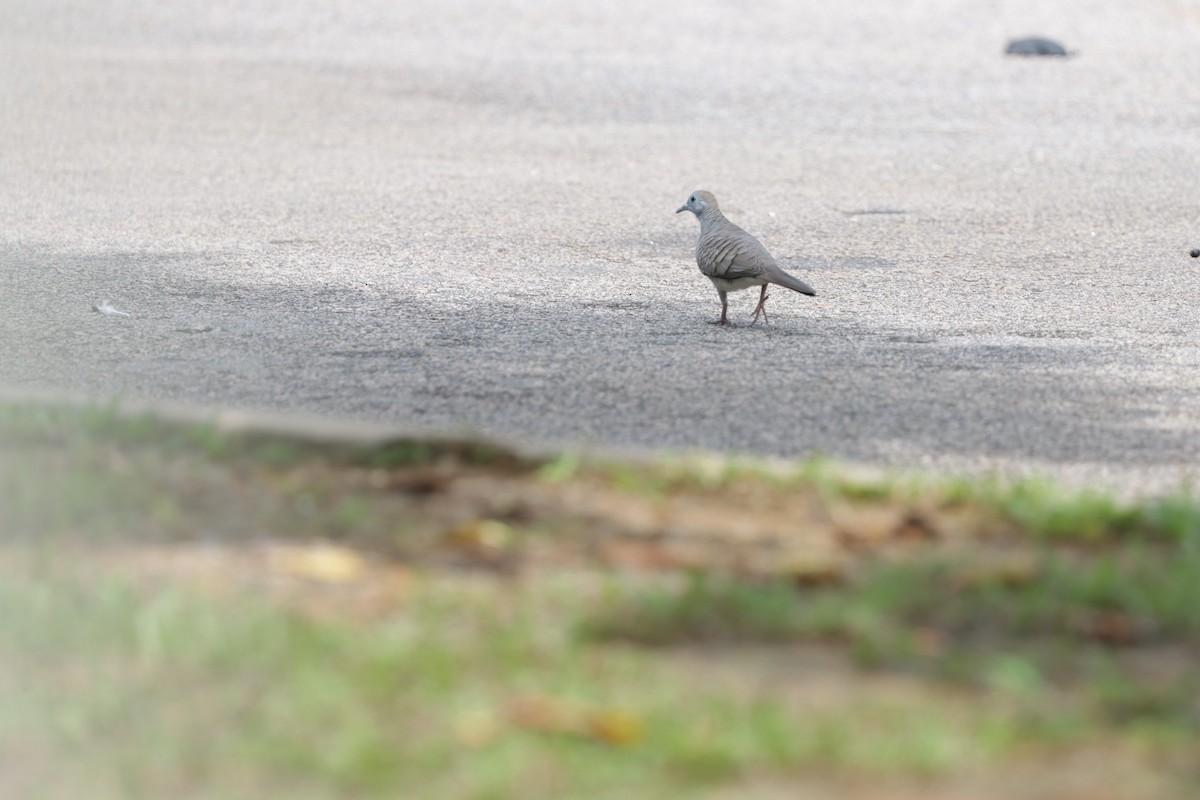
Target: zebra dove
733,259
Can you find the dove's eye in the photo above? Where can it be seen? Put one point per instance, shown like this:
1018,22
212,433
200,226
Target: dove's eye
691,199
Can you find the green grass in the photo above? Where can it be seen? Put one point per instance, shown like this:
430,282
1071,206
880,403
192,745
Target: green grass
153,691
1023,638
1060,620
1153,590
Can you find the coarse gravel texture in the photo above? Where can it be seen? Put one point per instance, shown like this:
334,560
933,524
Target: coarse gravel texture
460,215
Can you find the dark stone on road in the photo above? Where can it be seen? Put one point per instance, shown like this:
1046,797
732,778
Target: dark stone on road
1035,46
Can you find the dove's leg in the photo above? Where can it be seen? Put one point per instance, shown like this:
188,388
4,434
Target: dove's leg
762,306
724,310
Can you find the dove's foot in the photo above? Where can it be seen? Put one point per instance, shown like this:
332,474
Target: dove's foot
724,320
761,308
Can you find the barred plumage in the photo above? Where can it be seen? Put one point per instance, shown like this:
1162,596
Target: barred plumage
733,259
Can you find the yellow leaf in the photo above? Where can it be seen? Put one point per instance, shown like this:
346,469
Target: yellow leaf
325,563
482,537
614,726
551,715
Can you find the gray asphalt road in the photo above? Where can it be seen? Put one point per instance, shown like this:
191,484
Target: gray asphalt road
460,214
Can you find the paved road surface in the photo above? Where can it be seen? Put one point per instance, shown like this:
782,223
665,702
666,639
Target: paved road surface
460,213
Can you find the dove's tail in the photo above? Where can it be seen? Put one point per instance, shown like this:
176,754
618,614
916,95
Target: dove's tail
795,284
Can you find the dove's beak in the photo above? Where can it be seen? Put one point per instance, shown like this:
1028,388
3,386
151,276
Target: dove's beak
681,208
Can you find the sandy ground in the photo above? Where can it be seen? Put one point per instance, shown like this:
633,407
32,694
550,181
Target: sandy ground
460,215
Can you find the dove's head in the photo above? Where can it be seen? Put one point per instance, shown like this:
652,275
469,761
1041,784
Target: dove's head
698,202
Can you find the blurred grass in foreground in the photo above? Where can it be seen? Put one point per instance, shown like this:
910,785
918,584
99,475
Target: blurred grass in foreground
469,630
